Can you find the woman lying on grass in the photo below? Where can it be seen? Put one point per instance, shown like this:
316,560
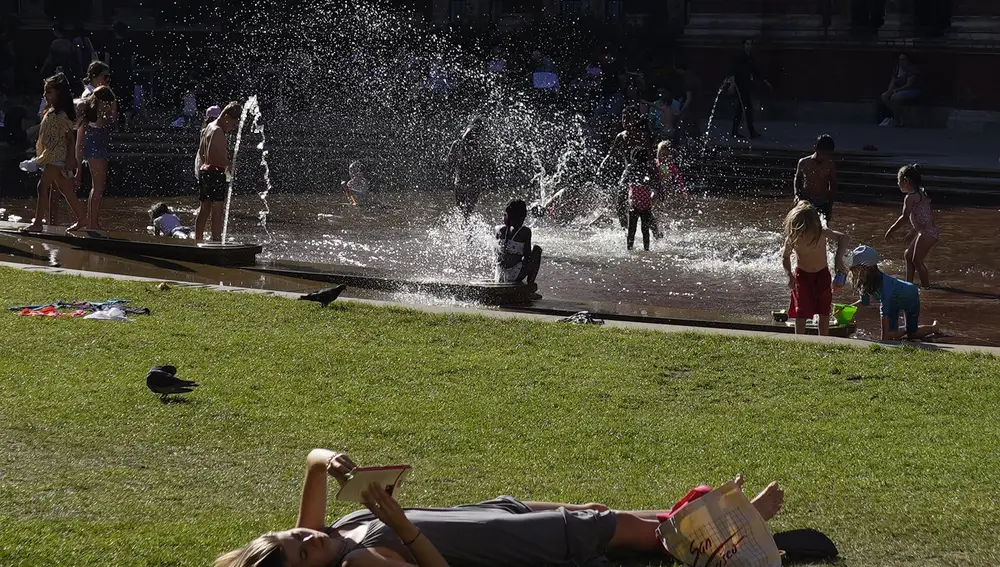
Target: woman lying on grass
498,533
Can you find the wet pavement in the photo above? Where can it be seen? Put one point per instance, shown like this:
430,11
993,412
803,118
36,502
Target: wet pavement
719,258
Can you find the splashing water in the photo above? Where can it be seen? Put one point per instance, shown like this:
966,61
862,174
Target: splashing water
376,85
250,108
715,104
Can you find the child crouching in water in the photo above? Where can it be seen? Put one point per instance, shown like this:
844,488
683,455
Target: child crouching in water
166,223
810,283
894,295
516,259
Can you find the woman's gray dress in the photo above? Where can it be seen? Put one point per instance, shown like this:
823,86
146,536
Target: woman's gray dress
497,533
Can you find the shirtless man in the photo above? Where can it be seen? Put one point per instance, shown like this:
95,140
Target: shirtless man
816,177
213,155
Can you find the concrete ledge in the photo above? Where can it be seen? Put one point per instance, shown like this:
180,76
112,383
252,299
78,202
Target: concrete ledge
483,292
917,116
502,314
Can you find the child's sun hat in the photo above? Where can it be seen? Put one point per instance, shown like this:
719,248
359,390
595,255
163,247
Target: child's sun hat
864,256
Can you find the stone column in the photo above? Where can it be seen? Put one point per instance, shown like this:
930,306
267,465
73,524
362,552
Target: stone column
440,12
899,20
722,18
840,18
975,20
96,11
32,11
792,18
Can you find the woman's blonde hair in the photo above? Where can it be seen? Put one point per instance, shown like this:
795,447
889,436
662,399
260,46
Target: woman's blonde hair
866,280
264,551
803,222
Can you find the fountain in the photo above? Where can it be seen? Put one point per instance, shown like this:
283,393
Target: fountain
373,85
250,108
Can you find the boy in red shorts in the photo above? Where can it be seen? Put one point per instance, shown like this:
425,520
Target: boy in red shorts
810,282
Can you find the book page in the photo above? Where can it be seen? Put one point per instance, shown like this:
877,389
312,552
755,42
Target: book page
389,477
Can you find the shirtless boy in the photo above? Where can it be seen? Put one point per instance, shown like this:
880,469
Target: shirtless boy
816,177
810,282
213,154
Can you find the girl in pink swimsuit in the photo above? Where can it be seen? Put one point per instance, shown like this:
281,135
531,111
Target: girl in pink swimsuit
916,208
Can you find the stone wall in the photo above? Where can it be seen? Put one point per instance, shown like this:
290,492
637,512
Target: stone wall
856,73
812,52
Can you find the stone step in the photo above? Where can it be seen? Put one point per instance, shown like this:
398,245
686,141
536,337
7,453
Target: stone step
847,173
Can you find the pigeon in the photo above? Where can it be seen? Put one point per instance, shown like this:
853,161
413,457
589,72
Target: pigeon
325,296
162,380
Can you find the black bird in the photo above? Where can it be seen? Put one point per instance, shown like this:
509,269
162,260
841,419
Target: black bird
325,296
162,380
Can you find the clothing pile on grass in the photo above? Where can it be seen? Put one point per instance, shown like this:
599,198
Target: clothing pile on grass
110,310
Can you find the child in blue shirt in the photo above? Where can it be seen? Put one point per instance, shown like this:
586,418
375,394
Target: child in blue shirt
895,296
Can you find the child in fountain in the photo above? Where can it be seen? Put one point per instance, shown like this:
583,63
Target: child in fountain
165,222
666,160
356,188
916,208
516,259
810,283
641,179
215,169
816,177
895,296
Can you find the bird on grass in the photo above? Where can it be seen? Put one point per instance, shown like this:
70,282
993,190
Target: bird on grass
162,380
324,296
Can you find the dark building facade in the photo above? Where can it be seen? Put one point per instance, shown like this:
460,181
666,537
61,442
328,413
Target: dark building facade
822,50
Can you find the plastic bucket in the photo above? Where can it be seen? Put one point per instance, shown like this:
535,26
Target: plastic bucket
844,313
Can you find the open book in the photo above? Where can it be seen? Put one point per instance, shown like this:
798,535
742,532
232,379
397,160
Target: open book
389,477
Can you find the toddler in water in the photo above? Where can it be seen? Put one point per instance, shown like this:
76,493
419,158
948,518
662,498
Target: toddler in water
917,208
640,182
516,259
810,283
165,222
895,296
356,188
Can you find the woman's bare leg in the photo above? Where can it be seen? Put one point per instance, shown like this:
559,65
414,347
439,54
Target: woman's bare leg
68,190
53,215
921,247
98,181
42,205
636,530
896,106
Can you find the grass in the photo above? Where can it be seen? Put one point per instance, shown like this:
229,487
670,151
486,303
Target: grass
891,452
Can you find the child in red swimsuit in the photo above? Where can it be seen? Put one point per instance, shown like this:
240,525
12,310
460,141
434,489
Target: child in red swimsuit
810,282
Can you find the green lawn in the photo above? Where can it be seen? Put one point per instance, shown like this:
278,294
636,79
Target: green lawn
891,452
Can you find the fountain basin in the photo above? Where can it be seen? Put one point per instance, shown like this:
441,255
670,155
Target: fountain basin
138,244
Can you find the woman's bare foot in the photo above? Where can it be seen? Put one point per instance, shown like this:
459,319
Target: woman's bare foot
769,501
